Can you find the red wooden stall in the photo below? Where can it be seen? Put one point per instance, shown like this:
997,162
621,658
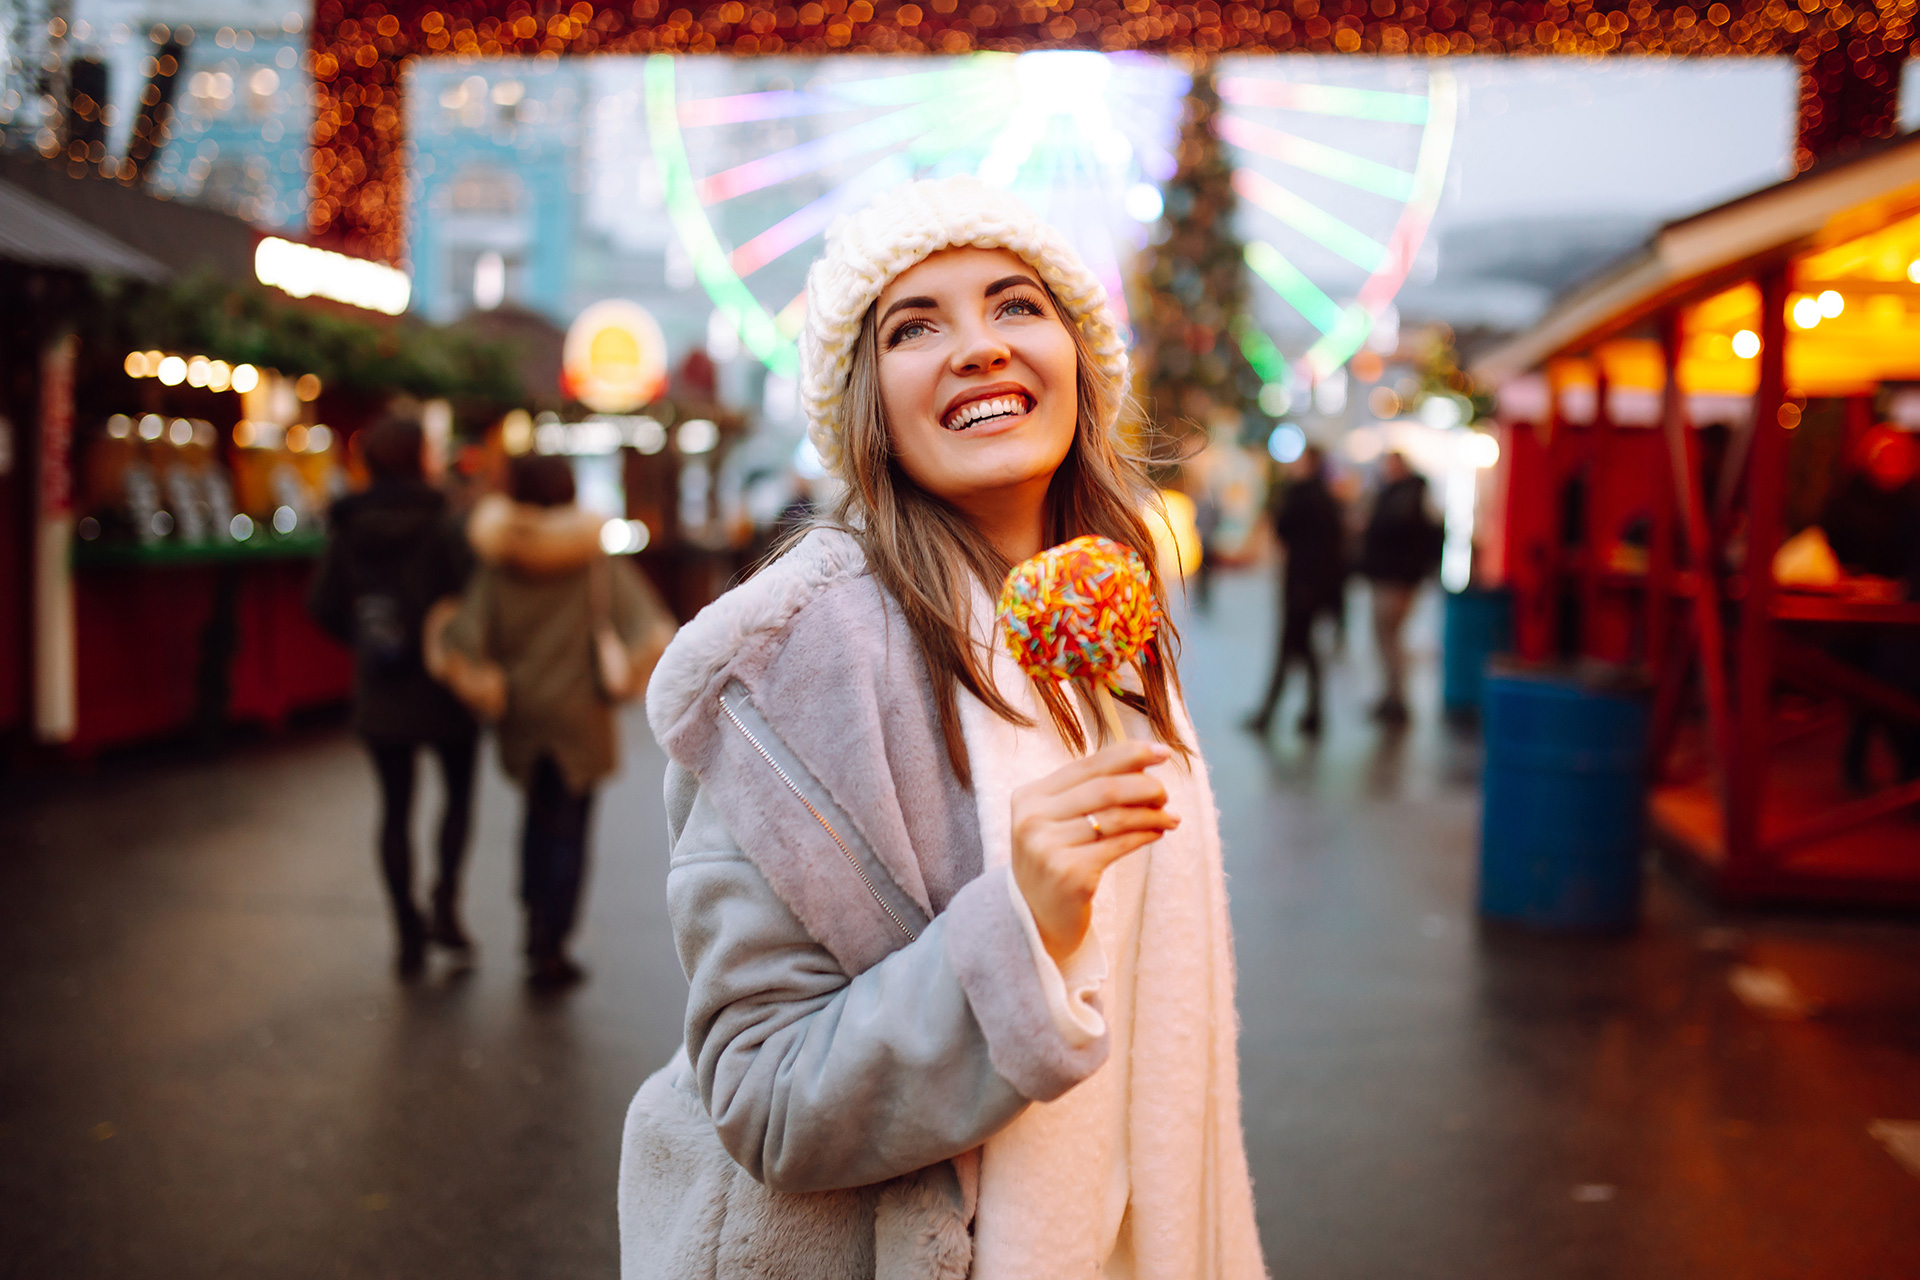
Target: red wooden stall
165,644
1663,429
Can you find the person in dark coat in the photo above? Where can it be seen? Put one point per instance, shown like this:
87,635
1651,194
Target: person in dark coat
1309,524
393,554
1400,548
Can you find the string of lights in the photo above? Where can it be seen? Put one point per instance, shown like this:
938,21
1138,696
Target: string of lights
1849,54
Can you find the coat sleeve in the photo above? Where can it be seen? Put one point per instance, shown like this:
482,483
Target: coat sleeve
453,563
468,633
639,614
817,1080
330,598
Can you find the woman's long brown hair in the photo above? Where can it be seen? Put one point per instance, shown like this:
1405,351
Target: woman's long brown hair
927,555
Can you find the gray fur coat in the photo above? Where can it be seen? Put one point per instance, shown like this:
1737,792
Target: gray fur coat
865,1009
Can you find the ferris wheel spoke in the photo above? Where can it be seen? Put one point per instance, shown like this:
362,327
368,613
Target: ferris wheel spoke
920,86
1141,126
1310,220
1326,100
815,154
786,104
1258,348
1293,286
745,108
1318,158
956,134
758,332
808,221
811,219
793,317
1430,169
1430,173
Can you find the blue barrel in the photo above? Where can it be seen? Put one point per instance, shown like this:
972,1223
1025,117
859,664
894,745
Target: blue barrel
1563,823
1478,624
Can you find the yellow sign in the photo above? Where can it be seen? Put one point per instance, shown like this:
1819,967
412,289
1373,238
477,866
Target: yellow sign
615,359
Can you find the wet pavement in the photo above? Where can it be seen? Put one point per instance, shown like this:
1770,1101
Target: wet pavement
208,1070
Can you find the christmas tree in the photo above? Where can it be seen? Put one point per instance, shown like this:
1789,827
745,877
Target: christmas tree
1193,288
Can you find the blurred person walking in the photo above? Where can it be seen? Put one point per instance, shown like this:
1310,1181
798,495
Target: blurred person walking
1400,548
393,553
551,634
1312,531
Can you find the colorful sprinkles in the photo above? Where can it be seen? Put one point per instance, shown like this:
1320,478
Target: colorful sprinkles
1080,610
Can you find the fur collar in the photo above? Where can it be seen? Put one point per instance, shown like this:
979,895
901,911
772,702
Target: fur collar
533,539
756,609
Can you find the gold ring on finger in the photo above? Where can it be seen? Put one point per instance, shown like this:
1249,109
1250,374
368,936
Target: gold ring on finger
1094,822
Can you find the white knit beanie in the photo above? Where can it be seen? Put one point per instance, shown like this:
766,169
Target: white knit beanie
866,250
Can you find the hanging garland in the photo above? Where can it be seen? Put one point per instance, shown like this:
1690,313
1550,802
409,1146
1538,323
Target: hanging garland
203,313
1849,54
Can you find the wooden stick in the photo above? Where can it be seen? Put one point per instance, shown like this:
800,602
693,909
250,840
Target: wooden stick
1109,713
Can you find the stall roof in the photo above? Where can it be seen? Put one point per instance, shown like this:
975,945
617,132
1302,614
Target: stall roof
182,236
1702,254
35,232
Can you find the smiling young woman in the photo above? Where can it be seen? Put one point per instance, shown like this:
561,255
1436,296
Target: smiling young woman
944,501
940,1022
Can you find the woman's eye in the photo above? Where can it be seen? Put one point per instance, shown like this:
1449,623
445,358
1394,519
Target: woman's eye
911,329
1021,307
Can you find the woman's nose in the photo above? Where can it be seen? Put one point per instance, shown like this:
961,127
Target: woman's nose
980,349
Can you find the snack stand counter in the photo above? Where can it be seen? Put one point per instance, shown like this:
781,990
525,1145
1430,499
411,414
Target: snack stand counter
173,638
195,539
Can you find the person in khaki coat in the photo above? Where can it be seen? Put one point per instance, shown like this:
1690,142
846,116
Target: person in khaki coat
550,635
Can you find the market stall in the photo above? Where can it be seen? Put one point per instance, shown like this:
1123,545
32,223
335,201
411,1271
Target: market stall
191,417
1668,428
194,538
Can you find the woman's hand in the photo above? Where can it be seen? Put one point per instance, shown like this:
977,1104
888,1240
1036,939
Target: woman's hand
1058,855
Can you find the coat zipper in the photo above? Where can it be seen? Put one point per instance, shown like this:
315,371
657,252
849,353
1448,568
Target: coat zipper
852,859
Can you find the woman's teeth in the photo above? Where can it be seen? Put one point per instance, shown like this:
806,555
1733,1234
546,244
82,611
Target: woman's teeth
968,415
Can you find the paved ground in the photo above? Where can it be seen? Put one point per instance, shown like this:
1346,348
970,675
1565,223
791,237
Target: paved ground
206,1070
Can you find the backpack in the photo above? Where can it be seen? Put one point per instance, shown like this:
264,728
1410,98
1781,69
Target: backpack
381,637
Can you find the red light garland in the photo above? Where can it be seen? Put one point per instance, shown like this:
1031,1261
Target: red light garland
1849,56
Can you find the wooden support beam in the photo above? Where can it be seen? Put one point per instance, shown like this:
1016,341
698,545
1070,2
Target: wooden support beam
1817,671
1766,476
1595,535
1671,686
1844,818
1660,536
1684,465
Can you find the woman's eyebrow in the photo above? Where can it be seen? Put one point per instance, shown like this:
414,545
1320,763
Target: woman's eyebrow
915,304
1007,282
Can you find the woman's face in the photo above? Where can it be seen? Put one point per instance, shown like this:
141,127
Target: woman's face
977,376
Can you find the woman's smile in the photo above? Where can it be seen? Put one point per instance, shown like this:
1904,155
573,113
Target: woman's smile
1001,405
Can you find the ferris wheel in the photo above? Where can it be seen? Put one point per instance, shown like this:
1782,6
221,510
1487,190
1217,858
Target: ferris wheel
757,157
1338,185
